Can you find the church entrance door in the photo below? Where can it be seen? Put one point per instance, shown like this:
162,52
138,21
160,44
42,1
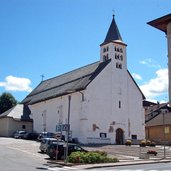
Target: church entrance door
119,136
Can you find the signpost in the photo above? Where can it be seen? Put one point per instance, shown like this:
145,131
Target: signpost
62,127
58,128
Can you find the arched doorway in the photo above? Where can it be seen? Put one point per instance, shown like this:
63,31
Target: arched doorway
119,136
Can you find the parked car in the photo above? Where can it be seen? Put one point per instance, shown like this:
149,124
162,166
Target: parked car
57,150
45,135
45,142
19,134
31,136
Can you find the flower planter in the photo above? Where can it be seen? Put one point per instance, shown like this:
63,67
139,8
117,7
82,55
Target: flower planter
142,145
128,143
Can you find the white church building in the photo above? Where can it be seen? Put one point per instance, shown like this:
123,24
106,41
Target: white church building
101,101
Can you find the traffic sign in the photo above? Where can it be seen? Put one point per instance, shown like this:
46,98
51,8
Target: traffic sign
65,127
62,127
58,128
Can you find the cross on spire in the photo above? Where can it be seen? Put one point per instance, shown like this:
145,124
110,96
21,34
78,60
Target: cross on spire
113,13
42,76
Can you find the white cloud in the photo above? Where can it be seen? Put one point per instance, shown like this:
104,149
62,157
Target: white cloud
156,86
16,84
150,63
136,76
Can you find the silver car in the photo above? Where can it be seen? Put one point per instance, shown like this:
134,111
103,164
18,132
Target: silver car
45,142
19,134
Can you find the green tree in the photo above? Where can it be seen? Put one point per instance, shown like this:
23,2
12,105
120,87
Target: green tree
7,101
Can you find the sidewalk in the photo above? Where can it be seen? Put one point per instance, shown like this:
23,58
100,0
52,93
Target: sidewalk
120,163
91,166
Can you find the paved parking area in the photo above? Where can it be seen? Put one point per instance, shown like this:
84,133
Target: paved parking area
133,152
122,152
26,146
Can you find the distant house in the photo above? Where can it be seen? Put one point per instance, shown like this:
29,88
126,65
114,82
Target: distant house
101,101
158,123
16,118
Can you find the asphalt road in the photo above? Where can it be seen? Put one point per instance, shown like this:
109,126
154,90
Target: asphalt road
12,159
142,167
23,155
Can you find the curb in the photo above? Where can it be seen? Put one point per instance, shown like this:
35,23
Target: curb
93,166
123,164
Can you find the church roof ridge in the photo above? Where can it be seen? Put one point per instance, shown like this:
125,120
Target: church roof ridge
71,71
77,80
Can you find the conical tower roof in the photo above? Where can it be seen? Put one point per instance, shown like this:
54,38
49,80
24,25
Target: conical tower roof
113,33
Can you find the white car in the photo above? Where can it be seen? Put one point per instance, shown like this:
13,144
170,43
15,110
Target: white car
19,134
45,142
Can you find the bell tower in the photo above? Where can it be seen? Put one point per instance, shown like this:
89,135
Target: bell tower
113,47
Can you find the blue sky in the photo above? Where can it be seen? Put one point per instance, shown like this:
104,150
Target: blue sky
51,37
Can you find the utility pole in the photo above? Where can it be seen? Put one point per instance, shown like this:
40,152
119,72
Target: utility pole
68,128
164,112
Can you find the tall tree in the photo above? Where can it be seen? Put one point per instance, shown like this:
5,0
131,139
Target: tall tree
7,101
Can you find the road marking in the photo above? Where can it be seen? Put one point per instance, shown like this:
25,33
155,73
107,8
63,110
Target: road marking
104,169
24,151
63,168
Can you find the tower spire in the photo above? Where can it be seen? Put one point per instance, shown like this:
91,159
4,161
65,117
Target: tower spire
113,32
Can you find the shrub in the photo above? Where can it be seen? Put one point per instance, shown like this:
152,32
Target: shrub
90,157
150,143
128,142
103,153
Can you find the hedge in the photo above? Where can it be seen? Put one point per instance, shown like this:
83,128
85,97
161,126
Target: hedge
90,157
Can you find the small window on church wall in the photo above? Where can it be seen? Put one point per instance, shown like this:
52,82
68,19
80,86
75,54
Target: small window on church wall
103,135
104,49
117,49
121,50
107,48
105,57
116,56
119,104
23,126
118,65
121,57
134,137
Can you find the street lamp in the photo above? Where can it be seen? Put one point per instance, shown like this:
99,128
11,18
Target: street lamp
68,124
164,111
68,129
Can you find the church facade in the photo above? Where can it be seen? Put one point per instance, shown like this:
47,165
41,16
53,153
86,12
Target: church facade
101,101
